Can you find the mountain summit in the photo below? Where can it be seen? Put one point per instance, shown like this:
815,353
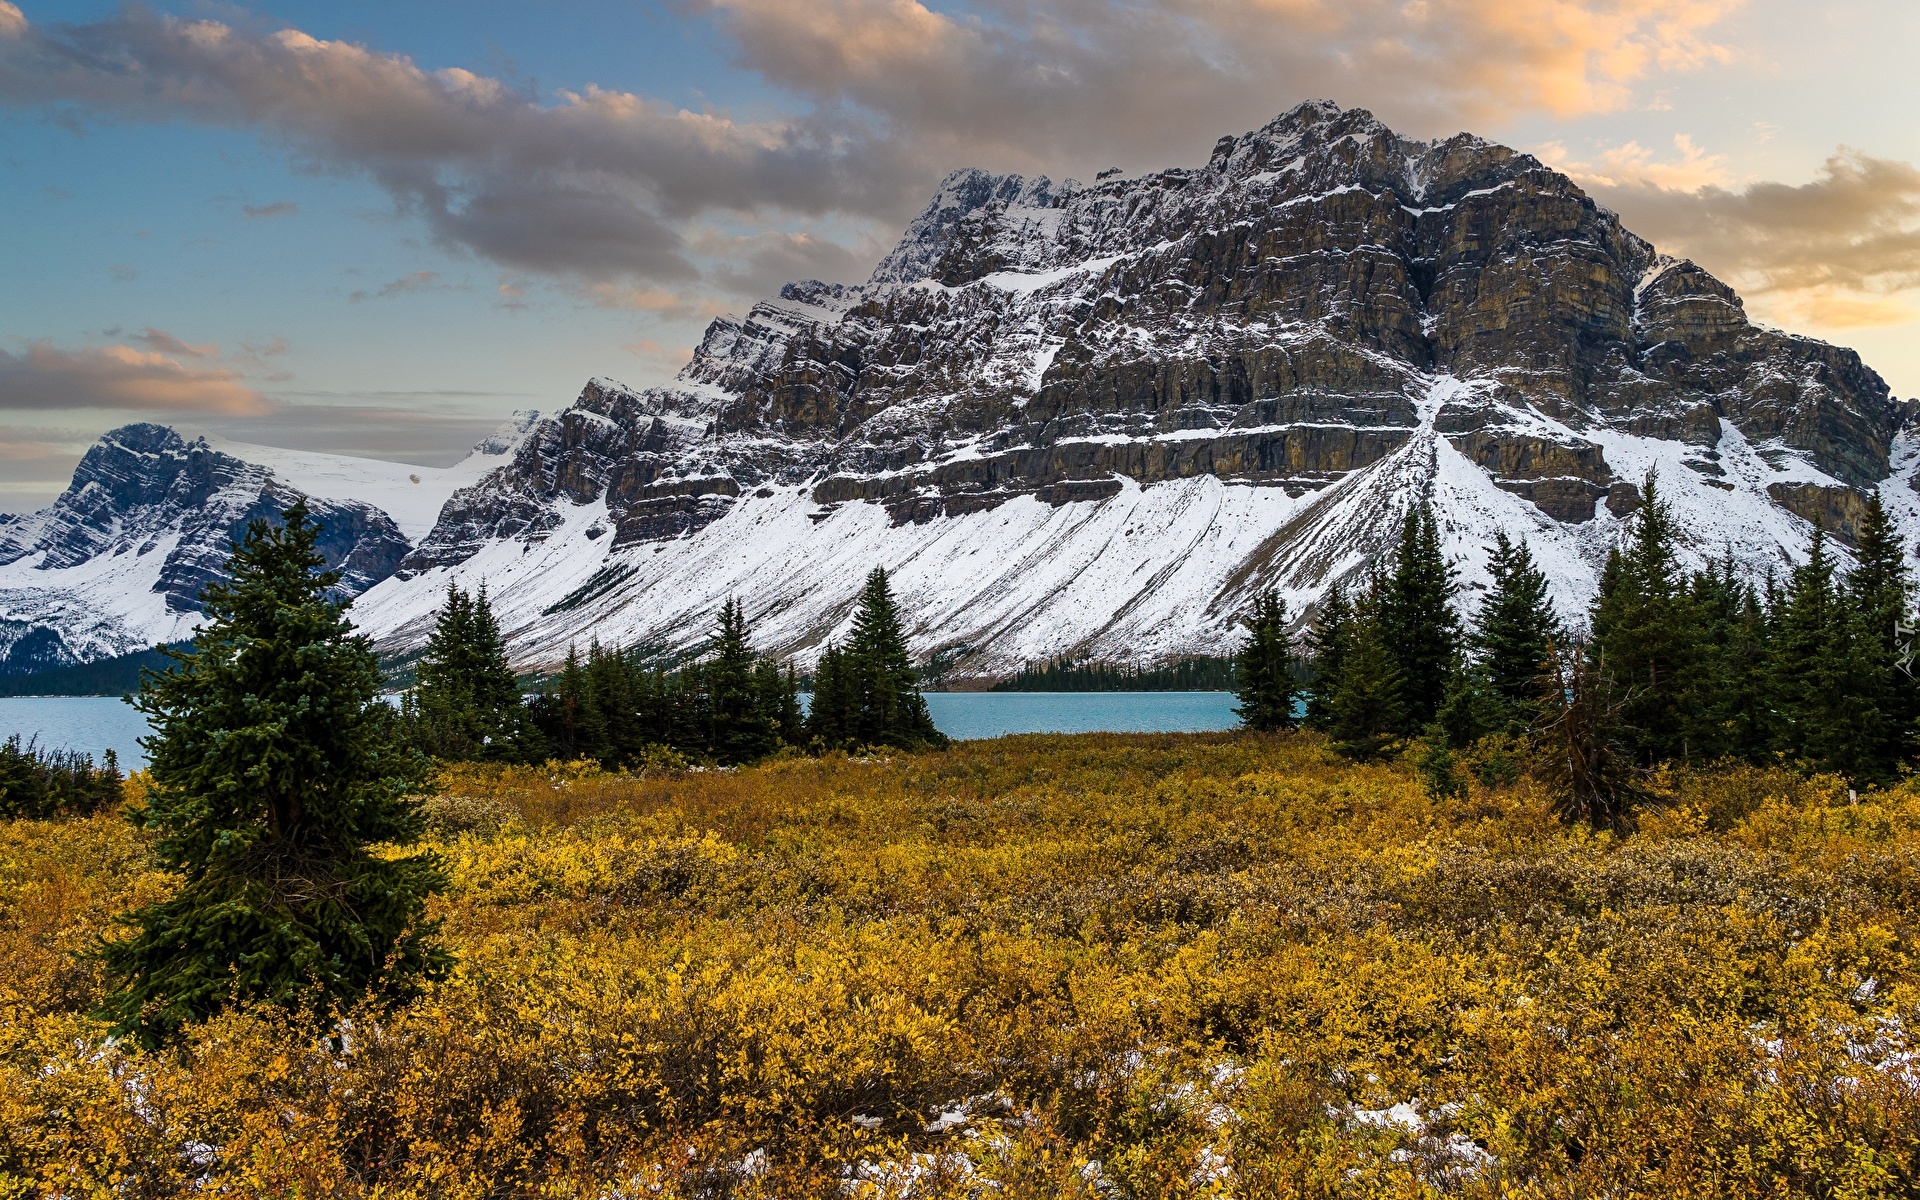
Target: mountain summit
1096,418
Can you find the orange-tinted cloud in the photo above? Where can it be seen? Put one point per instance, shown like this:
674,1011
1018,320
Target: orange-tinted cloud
120,377
1838,251
1136,81
608,187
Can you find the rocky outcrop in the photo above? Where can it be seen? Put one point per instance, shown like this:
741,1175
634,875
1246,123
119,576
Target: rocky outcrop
1094,418
1265,319
1839,510
142,489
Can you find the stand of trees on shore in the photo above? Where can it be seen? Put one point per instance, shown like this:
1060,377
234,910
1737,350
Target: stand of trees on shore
731,706
1672,667
1066,674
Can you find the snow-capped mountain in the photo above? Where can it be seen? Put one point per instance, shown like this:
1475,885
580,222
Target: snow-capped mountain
1096,418
117,562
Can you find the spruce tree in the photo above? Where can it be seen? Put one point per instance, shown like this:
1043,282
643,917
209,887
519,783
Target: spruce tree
1726,702
275,766
1828,720
1366,712
1880,594
1418,627
466,703
1517,624
888,709
830,717
1264,668
742,729
1326,645
1645,635
778,691
610,682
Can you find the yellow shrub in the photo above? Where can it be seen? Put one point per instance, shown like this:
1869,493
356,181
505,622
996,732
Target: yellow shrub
1200,965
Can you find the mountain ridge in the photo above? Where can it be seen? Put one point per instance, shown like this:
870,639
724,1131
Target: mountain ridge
1095,418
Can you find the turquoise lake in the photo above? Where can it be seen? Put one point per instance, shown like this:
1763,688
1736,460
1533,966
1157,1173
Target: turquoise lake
99,723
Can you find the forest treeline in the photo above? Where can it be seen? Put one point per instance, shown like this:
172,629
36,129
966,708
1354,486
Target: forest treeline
1812,669
1203,673
729,706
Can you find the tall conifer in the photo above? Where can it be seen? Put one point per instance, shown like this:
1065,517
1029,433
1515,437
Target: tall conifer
275,765
742,729
1326,645
888,707
1264,668
1366,711
1418,627
1516,628
1645,634
1880,593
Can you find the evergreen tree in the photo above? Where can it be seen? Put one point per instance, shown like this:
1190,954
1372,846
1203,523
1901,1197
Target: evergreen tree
275,765
1264,668
1472,709
1727,703
1828,722
1418,627
743,730
1366,712
1644,635
38,784
1326,645
778,691
609,678
1516,626
1880,594
466,703
830,716
569,715
888,709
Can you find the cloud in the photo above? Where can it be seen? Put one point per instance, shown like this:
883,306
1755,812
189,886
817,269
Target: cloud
1633,165
119,377
588,184
434,429
1139,82
279,208
1837,251
165,343
600,186
419,281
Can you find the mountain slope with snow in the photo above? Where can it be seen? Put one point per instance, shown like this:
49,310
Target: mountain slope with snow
118,561
1096,419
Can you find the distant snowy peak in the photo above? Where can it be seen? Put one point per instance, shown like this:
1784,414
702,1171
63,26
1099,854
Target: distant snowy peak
411,495
118,561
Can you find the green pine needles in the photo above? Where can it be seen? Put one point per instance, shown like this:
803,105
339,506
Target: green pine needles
867,694
1263,670
1672,667
465,705
276,767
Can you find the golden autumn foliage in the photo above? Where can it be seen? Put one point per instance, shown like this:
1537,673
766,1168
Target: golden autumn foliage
1102,965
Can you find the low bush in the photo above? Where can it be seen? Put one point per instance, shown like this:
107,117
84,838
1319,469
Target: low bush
1101,965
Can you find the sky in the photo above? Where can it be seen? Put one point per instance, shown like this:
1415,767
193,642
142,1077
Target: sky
381,228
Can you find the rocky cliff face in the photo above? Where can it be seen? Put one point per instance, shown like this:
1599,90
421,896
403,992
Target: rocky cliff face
1095,417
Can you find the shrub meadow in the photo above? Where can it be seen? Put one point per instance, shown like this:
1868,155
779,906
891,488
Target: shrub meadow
1100,965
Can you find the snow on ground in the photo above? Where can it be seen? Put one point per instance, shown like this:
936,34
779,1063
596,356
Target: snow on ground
1155,572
